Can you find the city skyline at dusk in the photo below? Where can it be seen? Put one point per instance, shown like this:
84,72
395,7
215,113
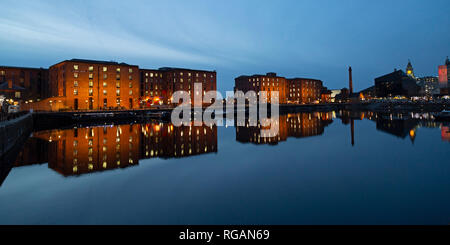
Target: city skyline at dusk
317,40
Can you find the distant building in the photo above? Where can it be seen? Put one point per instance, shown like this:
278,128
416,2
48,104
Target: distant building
153,86
334,93
429,85
159,85
304,90
10,92
410,70
267,83
182,79
369,92
444,77
293,90
325,96
343,95
397,83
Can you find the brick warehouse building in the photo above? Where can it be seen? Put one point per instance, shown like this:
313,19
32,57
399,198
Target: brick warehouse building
79,84
89,84
295,90
304,90
160,84
269,82
33,81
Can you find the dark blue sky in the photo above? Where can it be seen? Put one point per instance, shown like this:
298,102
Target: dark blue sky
316,39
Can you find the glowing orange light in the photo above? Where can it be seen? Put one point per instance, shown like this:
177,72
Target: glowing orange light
157,128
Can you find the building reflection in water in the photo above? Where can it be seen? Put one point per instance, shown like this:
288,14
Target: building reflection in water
83,150
297,125
402,125
166,141
445,133
92,149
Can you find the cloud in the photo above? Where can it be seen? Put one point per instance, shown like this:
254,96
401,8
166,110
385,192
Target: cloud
40,29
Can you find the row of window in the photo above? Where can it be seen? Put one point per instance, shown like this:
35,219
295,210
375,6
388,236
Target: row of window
105,69
105,164
91,92
105,84
305,90
151,74
264,79
105,76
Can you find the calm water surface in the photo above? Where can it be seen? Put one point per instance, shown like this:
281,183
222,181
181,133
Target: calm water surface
322,168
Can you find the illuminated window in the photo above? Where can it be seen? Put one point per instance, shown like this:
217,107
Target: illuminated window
75,75
91,92
75,92
130,85
75,67
91,68
105,84
118,70
91,142
118,84
91,83
75,83
118,92
118,77
151,74
105,76
130,77
130,70
131,92
104,92
105,69
2,73
91,75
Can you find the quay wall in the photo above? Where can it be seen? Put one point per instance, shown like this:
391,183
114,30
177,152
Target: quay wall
14,131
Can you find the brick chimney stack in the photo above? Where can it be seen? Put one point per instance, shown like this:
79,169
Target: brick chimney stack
350,80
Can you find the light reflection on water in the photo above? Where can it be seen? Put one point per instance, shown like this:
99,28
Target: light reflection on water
322,168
